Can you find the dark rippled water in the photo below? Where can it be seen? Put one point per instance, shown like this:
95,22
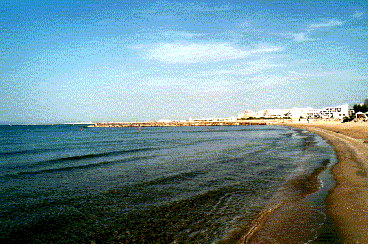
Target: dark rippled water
258,184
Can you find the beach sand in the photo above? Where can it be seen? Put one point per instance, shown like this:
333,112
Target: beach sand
347,202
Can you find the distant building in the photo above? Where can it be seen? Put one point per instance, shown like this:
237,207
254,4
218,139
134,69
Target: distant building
338,112
275,113
261,113
247,114
230,119
164,121
297,113
366,102
313,113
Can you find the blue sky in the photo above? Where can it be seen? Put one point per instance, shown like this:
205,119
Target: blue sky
150,60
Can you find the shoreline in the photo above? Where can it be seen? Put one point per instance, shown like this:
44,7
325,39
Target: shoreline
347,202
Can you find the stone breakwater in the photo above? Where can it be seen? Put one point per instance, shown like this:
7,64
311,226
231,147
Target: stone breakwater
174,123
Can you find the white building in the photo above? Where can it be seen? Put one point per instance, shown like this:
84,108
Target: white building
164,121
272,113
297,113
230,119
260,113
246,114
338,112
313,113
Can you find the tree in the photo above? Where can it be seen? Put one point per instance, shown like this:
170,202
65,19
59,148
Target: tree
360,108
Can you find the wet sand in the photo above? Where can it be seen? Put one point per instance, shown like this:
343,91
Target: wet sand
347,202
294,219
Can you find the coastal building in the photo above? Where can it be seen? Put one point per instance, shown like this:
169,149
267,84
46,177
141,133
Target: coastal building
313,113
247,114
297,113
260,113
230,119
164,121
201,120
274,113
338,112
225,119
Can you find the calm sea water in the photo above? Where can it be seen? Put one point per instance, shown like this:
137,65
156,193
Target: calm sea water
258,184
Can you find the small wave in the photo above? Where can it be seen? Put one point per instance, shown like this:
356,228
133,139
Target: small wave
74,167
97,155
86,156
290,208
26,169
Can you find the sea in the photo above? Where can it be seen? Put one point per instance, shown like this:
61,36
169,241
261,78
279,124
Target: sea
219,184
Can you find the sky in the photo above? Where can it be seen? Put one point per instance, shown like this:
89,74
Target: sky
73,61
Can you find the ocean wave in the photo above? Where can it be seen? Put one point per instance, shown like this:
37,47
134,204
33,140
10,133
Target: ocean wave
73,167
89,156
171,179
98,155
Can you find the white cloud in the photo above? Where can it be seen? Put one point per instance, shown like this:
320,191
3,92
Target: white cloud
304,36
331,23
203,53
182,34
358,15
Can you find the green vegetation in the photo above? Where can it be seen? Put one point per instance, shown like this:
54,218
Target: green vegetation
360,108
347,119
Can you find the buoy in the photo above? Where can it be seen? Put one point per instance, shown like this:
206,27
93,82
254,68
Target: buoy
81,129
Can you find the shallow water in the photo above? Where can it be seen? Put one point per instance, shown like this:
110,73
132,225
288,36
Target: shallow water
164,185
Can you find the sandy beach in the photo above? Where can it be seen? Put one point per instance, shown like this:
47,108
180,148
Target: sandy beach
348,201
